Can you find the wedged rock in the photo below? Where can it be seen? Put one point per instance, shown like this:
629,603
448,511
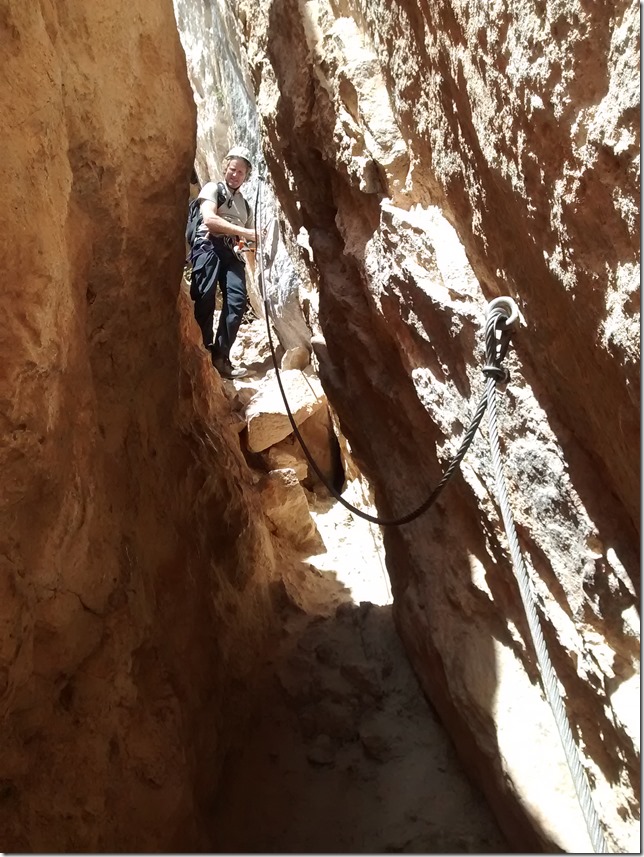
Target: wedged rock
319,437
235,420
288,454
266,416
286,507
296,358
244,390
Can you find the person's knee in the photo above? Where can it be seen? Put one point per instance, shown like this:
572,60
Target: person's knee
237,302
205,273
236,293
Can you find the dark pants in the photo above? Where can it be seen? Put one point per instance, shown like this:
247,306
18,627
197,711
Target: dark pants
214,262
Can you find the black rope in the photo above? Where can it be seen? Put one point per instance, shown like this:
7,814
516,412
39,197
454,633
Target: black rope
493,366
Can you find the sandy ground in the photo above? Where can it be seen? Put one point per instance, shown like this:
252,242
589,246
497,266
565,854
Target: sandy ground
344,754
354,553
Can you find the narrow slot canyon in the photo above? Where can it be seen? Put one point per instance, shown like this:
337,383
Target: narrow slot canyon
201,648
342,753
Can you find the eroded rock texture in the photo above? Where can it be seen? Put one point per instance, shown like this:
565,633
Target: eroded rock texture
134,567
427,157
433,156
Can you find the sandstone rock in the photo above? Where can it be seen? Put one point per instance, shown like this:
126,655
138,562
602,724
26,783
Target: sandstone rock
507,142
376,741
447,153
288,454
244,390
266,415
327,717
287,508
296,358
329,684
296,681
364,677
319,437
322,752
237,422
129,531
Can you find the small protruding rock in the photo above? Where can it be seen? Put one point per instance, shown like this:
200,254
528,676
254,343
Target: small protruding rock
296,358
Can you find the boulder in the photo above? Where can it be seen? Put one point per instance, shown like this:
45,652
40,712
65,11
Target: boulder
286,507
266,415
287,454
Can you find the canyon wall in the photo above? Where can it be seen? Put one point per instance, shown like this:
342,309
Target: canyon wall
428,158
135,568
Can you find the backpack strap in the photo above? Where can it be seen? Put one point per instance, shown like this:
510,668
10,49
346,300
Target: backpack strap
221,194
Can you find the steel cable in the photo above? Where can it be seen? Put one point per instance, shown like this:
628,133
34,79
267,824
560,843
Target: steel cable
548,677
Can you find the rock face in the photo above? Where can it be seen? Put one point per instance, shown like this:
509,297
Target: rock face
226,115
135,567
428,158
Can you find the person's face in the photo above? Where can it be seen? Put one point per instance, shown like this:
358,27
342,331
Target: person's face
236,172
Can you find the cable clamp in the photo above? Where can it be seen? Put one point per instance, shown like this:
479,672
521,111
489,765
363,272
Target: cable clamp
499,373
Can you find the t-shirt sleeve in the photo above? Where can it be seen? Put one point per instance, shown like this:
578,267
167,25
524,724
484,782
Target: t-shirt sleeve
250,220
209,192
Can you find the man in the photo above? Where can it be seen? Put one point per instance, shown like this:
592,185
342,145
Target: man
214,260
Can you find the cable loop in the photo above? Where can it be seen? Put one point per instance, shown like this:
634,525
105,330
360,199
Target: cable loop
507,306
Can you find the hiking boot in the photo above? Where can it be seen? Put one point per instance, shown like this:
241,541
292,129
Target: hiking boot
233,372
225,368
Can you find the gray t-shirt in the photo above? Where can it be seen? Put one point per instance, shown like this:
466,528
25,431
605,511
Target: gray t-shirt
233,209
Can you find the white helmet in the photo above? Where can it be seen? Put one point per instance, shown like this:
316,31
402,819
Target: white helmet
240,152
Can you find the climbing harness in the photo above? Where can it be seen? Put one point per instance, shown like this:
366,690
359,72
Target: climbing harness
502,312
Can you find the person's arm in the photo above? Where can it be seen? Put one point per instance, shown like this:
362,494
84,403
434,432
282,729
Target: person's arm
216,225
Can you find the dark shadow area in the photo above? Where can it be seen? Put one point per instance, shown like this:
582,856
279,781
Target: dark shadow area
344,755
